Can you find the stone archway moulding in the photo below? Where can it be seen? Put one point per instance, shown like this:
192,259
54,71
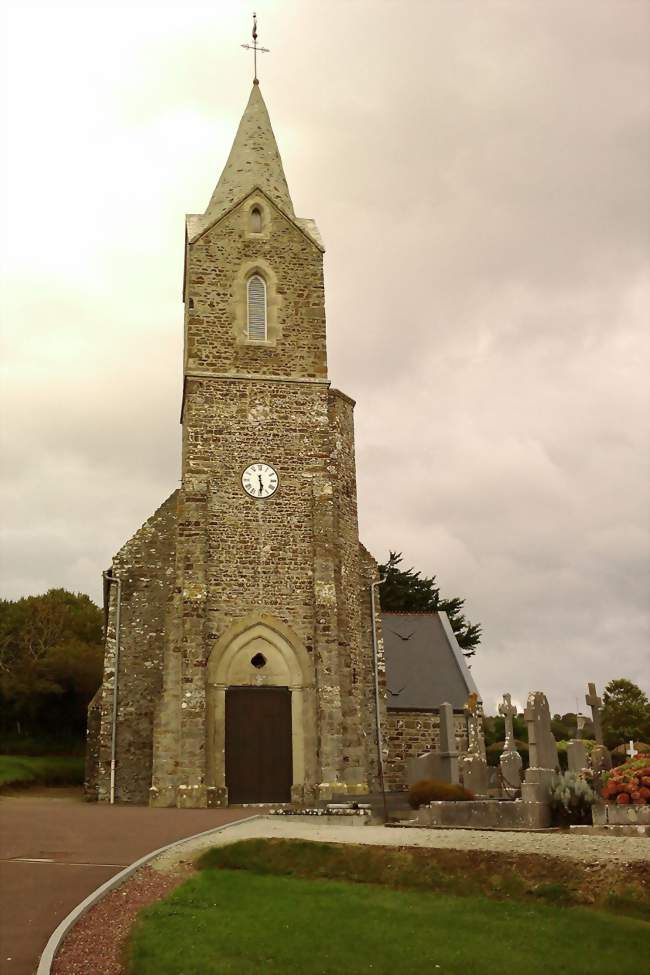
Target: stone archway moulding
289,665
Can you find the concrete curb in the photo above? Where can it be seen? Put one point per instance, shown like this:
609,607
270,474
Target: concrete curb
54,943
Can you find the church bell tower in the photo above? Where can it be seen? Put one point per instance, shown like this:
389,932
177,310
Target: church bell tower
250,629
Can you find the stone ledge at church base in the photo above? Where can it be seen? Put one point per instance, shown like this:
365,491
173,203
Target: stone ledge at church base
611,814
323,817
486,814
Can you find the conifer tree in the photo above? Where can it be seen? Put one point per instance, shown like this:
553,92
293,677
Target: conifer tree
408,591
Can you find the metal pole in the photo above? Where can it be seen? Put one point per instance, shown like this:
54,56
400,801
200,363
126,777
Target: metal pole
114,580
375,654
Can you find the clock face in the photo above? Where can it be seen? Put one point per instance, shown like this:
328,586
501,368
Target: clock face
259,480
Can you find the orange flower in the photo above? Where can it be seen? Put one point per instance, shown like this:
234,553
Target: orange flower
622,798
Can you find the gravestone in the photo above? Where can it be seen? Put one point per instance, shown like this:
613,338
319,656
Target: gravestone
542,750
473,763
631,751
576,749
508,712
447,751
601,760
577,758
442,764
510,760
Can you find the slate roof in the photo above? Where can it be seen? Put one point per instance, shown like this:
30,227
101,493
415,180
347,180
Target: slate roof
254,163
424,664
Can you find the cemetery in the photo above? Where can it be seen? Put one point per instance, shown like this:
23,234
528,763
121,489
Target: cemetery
589,794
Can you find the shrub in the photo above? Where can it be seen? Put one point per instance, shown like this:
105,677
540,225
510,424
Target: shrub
629,783
572,798
430,790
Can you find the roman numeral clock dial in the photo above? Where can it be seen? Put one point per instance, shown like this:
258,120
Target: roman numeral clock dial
259,480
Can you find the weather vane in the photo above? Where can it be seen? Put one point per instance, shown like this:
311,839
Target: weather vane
255,48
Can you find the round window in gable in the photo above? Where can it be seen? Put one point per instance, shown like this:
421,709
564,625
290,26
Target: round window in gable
258,661
256,220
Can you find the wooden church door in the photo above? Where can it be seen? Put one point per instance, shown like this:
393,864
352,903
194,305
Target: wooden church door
258,744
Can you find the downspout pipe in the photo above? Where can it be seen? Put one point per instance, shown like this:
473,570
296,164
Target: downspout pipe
110,579
375,654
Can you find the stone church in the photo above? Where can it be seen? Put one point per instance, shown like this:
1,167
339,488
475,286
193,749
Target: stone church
239,616
239,663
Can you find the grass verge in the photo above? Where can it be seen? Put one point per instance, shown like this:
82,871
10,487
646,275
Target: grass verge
614,887
227,922
24,770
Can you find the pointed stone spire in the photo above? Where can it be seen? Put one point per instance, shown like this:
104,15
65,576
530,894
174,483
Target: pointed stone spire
254,160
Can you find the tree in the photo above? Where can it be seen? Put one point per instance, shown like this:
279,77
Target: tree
407,591
50,662
626,713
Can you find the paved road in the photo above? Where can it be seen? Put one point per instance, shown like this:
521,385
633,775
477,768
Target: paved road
54,852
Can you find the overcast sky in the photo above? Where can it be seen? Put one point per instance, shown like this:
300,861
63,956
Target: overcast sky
478,171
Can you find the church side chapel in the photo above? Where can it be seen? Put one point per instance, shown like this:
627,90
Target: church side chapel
240,618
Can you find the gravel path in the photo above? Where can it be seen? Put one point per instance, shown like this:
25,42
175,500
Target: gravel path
591,849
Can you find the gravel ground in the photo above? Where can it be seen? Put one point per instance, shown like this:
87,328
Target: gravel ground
96,943
621,849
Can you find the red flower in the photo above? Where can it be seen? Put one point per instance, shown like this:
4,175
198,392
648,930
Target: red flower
622,798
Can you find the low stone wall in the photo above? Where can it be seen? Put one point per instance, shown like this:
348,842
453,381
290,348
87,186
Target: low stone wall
486,814
611,814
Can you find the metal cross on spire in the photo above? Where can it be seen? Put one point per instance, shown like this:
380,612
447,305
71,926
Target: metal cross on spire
254,47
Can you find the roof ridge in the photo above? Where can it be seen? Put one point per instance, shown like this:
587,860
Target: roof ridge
415,612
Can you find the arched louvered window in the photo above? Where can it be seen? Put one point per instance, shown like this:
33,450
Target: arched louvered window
256,295
256,220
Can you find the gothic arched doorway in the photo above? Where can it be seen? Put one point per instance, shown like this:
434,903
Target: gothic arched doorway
261,740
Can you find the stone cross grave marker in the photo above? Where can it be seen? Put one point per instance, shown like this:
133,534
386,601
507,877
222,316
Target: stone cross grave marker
542,749
475,745
631,750
443,763
447,730
474,764
541,743
595,703
509,712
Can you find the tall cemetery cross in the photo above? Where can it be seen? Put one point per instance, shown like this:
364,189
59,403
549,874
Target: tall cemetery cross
255,48
471,713
508,711
595,703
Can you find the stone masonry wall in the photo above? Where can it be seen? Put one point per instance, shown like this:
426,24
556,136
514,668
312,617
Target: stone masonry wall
294,556
411,733
145,566
92,746
217,266
222,556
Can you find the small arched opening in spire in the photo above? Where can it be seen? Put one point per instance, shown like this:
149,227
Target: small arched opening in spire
256,303
255,222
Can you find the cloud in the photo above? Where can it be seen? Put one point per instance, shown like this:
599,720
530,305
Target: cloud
479,173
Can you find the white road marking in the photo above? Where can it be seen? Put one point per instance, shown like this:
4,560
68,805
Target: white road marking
63,863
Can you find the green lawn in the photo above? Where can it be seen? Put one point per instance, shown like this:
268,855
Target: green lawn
227,922
19,770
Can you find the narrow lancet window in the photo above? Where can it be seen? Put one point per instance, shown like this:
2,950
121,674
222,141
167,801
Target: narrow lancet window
256,289
256,221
